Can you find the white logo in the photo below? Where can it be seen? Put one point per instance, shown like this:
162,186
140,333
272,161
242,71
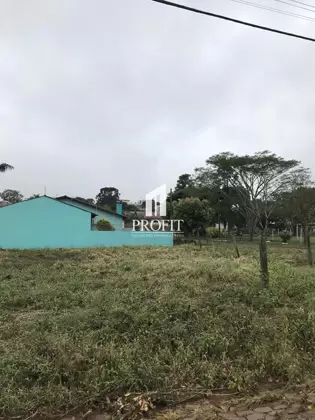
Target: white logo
156,199
155,206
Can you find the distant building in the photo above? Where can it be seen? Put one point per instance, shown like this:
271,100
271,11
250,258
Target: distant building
4,203
46,222
115,218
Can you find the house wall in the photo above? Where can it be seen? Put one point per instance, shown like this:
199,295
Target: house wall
41,222
47,223
116,221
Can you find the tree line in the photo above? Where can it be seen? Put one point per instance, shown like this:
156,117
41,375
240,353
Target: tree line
253,192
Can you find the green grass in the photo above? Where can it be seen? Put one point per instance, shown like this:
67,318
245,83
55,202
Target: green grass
276,239
273,240
80,323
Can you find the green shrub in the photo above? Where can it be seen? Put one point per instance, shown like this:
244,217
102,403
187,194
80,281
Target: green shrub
285,236
194,212
213,232
104,224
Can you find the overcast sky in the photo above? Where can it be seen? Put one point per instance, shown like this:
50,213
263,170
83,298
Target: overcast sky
131,93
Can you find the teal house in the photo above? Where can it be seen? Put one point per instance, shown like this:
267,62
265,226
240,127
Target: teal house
46,222
116,219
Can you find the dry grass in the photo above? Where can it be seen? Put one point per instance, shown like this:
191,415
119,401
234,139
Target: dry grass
83,323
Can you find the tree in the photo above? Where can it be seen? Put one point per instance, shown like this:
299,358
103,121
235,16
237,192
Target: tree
184,181
33,196
221,202
108,208
131,207
226,196
191,191
281,217
12,196
225,201
258,180
237,220
195,213
302,205
5,167
85,200
186,187
108,196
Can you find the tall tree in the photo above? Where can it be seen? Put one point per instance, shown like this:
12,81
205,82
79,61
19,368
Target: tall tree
221,202
203,193
5,167
13,196
258,180
300,204
184,181
108,196
303,205
227,197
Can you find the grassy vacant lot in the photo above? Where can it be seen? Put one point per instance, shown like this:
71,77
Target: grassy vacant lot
79,323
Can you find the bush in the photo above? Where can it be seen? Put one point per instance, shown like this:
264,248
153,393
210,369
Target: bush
213,232
104,224
285,237
195,214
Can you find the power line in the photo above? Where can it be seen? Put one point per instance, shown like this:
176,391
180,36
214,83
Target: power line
300,7
300,2
271,9
241,22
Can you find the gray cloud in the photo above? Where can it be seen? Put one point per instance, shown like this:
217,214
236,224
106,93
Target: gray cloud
133,93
